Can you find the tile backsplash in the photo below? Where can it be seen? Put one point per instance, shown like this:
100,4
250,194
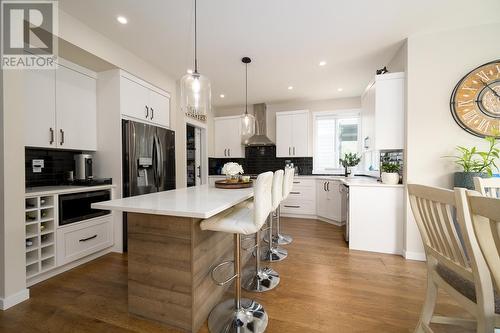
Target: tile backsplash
56,164
261,159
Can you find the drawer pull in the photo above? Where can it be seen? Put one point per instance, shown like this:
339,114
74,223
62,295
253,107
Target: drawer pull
296,182
88,238
294,192
288,206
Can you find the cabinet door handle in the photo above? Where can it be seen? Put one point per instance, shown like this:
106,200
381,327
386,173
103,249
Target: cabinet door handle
62,137
225,152
88,238
288,206
293,151
51,135
328,186
147,112
294,192
228,152
152,113
324,186
289,149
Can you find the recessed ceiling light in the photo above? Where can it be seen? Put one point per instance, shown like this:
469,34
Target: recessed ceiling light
222,95
290,88
340,89
122,19
322,63
189,71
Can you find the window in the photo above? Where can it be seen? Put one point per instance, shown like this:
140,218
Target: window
335,134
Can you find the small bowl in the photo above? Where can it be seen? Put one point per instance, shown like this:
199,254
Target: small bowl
245,179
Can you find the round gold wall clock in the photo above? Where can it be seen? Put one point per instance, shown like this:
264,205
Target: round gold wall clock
475,101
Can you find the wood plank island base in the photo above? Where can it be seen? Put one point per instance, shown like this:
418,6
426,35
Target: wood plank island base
170,258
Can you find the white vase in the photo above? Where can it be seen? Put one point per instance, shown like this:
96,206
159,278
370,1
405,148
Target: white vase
351,171
390,178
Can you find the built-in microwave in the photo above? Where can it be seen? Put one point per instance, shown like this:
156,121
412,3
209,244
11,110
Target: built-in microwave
75,207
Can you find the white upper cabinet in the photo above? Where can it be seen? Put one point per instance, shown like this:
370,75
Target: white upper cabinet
159,108
39,108
143,102
382,116
75,109
60,108
227,137
292,134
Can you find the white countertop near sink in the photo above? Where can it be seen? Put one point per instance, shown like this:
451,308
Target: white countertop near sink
355,181
196,202
63,189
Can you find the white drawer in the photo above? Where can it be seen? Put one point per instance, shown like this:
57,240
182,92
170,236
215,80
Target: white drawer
79,240
302,183
298,206
305,193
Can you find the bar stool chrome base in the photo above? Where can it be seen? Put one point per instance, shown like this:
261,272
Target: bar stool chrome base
275,254
251,318
283,239
263,280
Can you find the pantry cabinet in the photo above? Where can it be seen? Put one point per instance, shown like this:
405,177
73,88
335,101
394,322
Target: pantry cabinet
227,137
382,116
292,134
60,108
143,102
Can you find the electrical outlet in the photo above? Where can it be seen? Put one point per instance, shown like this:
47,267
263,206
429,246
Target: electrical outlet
37,165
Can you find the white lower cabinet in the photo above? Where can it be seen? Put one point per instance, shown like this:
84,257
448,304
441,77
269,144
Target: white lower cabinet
376,218
301,200
328,200
81,239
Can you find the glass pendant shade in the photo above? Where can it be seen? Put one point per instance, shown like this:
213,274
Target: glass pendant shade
196,94
247,127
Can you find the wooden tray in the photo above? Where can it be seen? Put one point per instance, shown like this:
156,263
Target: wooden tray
228,185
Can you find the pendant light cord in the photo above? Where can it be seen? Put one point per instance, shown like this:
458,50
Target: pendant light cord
195,39
246,89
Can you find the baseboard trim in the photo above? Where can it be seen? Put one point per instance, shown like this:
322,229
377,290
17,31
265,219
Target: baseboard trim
67,267
419,256
15,299
322,219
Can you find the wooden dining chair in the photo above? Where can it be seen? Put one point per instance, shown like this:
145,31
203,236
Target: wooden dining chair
454,261
489,187
485,215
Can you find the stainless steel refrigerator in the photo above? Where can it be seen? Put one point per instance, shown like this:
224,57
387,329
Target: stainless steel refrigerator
148,161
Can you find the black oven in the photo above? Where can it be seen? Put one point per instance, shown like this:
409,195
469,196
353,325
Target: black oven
75,207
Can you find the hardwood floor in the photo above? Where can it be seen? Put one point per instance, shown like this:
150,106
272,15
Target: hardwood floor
324,288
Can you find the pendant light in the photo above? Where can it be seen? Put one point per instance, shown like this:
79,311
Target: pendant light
247,120
196,94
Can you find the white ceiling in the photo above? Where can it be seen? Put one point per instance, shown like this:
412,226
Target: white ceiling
286,39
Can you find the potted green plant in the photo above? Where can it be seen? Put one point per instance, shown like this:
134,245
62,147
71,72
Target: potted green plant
349,162
475,163
390,172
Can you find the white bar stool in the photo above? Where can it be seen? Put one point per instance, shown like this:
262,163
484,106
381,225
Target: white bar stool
240,315
275,253
282,239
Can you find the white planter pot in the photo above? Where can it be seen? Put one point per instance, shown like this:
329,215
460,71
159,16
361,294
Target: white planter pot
351,171
390,178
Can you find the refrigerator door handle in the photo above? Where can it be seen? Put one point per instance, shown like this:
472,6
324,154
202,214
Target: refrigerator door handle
159,148
155,164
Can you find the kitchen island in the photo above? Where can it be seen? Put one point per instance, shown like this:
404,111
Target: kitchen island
170,258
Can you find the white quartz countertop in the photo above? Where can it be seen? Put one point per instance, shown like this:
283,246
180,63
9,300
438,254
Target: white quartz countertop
196,202
354,181
63,189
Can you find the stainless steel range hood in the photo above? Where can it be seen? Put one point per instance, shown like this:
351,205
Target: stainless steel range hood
260,138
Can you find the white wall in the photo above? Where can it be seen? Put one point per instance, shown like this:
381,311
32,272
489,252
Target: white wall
272,108
12,251
436,62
